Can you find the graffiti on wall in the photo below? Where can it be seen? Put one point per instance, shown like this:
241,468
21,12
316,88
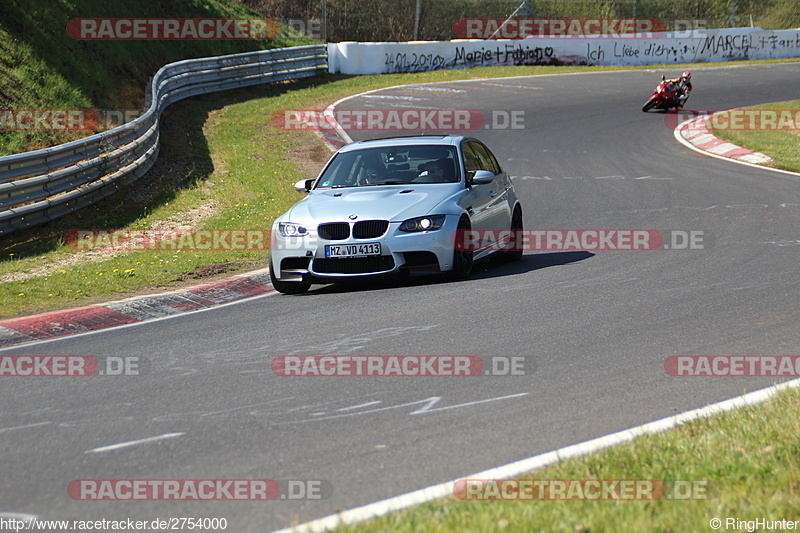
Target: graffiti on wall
699,46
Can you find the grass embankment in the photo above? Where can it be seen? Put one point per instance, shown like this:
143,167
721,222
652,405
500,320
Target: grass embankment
748,460
220,154
42,67
774,134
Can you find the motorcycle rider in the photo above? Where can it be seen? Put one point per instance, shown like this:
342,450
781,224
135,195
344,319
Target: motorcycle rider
684,84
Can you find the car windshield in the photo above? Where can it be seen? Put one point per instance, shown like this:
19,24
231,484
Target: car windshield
391,166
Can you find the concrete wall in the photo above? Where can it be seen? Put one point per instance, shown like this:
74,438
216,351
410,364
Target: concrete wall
635,49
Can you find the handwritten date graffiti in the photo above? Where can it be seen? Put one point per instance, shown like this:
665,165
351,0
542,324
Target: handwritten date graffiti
405,62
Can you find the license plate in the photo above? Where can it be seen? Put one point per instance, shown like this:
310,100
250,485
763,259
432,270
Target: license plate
353,250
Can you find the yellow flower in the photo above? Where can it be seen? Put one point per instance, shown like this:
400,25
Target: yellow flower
63,271
99,273
115,270
50,294
21,294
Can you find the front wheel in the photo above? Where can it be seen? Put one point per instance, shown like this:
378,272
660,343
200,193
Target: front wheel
288,287
462,259
648,105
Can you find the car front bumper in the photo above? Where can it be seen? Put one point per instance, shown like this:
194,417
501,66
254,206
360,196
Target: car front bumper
296,258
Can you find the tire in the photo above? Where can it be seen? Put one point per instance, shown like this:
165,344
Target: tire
516,225
288,287
462,259
648,105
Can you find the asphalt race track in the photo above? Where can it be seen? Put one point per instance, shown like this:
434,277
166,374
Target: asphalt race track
597,325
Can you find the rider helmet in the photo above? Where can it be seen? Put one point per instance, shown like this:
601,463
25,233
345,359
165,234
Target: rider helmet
686,76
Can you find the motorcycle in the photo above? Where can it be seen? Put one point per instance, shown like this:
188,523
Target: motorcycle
666,96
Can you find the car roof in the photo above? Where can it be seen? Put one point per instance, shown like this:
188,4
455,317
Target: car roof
416,140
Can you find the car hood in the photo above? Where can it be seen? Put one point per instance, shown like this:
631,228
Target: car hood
390,202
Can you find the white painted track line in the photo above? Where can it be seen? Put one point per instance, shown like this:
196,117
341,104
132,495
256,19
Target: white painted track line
131,443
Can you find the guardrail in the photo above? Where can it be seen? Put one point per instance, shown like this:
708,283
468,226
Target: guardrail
43,185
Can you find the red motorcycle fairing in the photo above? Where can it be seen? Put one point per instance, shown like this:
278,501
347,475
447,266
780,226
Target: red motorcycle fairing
664,97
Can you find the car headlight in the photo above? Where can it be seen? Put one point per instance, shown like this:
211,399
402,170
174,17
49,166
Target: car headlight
428,223
290,229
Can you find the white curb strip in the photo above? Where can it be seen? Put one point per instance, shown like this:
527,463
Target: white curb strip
442,490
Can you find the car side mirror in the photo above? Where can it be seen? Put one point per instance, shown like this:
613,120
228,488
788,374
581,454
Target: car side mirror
480,177
303,185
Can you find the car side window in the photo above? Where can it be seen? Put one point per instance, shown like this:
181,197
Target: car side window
487,161
471,160
492,160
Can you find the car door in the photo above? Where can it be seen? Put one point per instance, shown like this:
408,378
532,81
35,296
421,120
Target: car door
498,208
479,199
